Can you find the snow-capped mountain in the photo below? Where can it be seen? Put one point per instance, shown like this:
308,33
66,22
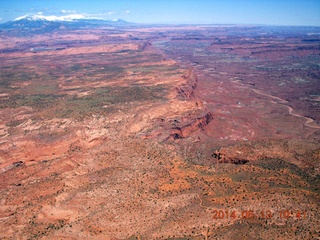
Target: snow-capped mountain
70,17
41,23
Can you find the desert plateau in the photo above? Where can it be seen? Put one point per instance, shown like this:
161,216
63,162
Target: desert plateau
128,131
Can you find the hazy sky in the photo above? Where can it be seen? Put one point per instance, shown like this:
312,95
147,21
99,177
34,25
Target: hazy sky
275,12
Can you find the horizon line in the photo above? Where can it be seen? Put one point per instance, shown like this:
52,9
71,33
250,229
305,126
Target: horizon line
173,22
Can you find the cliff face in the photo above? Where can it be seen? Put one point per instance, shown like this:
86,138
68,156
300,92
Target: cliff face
145,46
304,154
186,90
186,130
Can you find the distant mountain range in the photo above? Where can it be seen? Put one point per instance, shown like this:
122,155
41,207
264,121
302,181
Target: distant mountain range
42,24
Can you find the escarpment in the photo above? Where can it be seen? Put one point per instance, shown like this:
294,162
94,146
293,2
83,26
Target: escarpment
186,90
144,46
186,130
304,154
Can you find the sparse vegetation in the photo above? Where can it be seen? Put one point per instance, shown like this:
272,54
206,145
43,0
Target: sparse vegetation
85,146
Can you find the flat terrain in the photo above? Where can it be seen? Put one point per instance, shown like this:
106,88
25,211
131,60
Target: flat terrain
181,132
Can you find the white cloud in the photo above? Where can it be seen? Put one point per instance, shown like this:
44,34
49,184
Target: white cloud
68,11
39,13
128,11
112,13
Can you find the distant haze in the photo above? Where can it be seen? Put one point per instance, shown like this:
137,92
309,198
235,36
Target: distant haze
270,12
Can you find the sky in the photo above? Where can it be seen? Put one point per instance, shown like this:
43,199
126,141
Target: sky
270,12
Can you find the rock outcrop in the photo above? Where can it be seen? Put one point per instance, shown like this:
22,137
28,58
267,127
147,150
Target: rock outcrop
186,130
186,90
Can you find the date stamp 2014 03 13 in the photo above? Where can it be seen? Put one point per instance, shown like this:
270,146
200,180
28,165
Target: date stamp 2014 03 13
263,214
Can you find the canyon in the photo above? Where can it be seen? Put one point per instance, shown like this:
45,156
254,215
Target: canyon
144,132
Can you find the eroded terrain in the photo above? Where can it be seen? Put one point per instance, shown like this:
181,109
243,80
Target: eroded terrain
147,133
